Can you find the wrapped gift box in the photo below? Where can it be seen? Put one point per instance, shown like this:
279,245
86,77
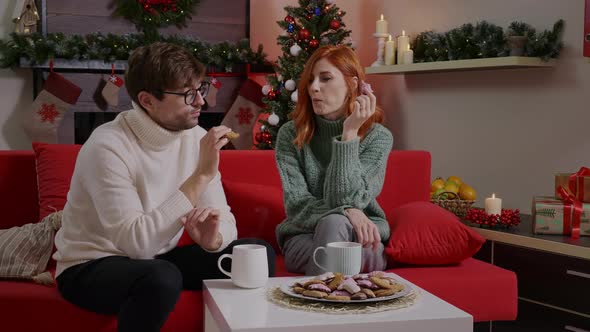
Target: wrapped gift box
581,186
554,216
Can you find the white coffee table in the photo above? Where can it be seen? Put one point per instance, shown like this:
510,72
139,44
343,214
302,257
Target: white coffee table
229,308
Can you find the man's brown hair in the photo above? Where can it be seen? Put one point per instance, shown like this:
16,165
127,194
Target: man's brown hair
161,66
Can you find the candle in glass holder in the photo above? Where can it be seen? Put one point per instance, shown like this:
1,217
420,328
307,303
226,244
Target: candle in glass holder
381,26
390,52
403,44
493,205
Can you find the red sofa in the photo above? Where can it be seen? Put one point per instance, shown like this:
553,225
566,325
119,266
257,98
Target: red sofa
485,291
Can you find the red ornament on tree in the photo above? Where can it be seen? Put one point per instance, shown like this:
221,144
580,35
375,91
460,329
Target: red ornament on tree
314,43
334,24
258,137
266,136
303,34
271,94
289,19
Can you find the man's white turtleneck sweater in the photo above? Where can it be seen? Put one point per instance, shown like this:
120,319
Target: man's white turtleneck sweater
124,196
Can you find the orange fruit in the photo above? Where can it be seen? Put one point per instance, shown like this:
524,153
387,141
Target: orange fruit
466,192
455,179
437,184
452,187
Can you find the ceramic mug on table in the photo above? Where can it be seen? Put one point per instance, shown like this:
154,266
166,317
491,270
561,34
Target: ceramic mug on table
343,257
249,265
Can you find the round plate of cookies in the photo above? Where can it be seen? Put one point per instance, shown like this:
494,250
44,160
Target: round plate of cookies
336,287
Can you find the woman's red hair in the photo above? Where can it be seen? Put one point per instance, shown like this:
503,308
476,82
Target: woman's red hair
345,59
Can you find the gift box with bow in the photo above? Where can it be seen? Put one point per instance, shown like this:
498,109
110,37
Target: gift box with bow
577,184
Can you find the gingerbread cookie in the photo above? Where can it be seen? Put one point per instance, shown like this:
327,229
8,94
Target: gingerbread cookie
315,294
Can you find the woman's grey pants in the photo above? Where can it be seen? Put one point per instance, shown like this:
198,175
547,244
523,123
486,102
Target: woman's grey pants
299,249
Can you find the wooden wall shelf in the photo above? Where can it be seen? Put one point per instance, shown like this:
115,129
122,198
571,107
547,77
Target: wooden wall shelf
508,62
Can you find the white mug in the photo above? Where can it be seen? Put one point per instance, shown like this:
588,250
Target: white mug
343,257
249,265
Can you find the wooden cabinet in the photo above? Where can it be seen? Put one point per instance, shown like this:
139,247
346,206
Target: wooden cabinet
534,317
553,274
554,279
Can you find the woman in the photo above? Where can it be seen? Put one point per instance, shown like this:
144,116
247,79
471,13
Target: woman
332,158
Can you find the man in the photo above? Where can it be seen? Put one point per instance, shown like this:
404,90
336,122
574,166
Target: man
138,182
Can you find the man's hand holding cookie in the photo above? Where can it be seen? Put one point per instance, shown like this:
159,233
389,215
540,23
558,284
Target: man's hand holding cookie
231,135
207,168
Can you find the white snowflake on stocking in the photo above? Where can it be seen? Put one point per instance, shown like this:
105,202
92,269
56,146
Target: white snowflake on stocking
48,113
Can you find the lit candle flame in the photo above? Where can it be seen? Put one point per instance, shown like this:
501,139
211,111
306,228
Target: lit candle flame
403,32
389,37
493,195
381,17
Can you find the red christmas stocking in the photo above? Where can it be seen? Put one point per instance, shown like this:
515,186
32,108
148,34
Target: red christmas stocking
110,92
49,108
101,103
212,95
242,115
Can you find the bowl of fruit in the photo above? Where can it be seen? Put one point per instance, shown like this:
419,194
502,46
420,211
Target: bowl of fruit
453,195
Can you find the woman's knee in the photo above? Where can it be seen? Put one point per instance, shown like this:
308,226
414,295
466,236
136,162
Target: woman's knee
333,223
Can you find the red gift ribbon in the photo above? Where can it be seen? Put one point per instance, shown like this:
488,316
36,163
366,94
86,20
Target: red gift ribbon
579,177
570,200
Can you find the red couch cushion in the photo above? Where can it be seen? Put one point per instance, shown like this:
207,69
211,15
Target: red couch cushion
408,170
22,301
257,209
485,291
425,234
19,201
55,165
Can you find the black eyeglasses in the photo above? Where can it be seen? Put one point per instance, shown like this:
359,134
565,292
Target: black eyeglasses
191,95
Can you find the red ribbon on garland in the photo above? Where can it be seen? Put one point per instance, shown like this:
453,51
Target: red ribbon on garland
574,219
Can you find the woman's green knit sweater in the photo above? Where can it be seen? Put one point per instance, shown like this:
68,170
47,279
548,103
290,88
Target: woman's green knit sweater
327,176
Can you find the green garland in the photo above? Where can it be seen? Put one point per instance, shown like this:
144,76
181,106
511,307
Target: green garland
149,15
485,40
112,47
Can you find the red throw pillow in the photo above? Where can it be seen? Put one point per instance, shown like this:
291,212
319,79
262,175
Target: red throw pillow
55,166
425,234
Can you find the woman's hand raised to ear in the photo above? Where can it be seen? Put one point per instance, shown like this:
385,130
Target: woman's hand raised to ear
364,108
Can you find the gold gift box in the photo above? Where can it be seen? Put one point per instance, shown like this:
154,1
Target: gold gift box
562,179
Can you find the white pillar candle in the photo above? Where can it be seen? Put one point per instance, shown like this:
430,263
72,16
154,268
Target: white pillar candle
493,205
408,56
381,26
403,44
390,52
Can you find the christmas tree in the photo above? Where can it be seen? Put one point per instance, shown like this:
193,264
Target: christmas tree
313,24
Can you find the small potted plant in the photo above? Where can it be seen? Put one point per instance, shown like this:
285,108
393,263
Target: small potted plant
517,35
